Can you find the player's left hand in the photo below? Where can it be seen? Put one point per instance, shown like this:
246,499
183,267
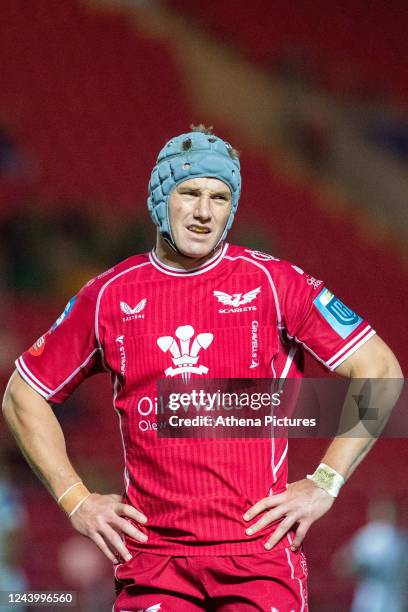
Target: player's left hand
301,504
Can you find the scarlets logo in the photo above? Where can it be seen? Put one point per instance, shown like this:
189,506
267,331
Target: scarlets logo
236,300
184,356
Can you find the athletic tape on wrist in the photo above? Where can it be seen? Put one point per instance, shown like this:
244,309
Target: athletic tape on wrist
73,497
78,504
328,479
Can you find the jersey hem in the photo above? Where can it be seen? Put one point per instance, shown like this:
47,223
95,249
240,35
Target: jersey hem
200,550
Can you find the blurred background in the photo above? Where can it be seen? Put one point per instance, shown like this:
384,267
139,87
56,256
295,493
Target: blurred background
314,95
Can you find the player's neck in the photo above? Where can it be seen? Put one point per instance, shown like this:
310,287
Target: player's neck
170,257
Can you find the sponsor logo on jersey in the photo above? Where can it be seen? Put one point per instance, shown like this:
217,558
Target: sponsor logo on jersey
313,282
185,353
133,313
38,347
339,316
261,256
120,340
64,315
254,345
236,300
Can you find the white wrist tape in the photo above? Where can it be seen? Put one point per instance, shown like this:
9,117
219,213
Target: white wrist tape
328,479
68,490
73,497
78,504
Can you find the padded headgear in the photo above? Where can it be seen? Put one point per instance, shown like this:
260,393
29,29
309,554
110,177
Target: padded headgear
191,155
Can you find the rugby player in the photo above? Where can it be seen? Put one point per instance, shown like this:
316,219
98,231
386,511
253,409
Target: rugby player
202,524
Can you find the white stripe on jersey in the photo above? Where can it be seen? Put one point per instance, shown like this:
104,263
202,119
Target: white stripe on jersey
208,265
292,575
348,345
31,379
282,457
269,277
71,376
98,301
369,335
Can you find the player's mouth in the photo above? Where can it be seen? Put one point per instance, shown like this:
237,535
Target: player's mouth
199,229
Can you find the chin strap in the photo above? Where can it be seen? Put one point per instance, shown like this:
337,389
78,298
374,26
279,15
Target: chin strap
174,248
171,244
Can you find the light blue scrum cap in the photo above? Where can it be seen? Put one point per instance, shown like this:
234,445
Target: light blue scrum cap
187,156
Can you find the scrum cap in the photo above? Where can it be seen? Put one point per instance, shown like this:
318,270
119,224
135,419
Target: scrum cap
191,155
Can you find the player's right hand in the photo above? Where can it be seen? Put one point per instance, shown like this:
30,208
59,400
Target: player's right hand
101,518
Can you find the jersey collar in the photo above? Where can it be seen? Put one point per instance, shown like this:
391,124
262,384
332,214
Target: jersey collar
208,265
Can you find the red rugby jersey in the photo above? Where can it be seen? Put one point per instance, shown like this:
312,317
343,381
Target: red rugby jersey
142,321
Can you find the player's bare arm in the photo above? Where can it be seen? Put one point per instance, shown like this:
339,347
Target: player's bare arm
102,518
303,502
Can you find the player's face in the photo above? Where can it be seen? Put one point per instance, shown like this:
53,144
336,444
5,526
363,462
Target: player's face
198,212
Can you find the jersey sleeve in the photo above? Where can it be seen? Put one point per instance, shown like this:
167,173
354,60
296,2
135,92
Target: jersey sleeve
318,320
67,353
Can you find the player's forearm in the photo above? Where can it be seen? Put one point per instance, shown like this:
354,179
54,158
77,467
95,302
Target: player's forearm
39,436
374,390
345,454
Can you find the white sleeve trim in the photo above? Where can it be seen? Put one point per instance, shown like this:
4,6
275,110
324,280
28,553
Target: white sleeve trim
343,353
30,378
352,350
38,385
348,345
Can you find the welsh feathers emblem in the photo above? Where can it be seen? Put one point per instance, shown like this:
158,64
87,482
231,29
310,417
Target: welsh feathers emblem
185,354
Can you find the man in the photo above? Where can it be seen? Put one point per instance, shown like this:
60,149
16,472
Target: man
205,524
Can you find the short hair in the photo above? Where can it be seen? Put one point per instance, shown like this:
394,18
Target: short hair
209,131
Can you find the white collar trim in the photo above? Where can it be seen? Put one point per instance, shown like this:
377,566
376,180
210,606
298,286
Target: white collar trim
172,271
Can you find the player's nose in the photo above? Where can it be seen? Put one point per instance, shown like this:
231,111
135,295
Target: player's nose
203,208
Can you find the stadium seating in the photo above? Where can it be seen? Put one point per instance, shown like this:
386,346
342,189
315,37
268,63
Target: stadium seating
93,101
354,46
89,98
